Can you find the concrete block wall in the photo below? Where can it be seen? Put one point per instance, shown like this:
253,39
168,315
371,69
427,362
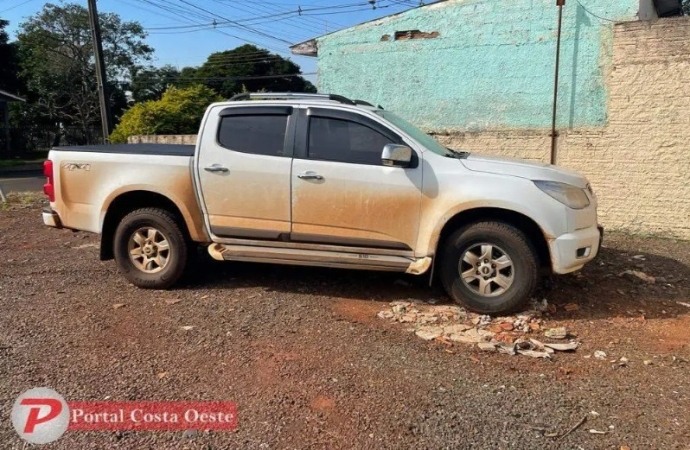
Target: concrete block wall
639,163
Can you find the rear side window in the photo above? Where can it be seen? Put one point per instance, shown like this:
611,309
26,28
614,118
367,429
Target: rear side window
260,135
344,141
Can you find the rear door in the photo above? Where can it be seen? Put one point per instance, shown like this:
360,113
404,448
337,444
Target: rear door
244,171
341,192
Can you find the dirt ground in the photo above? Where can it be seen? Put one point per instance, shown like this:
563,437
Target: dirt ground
302,353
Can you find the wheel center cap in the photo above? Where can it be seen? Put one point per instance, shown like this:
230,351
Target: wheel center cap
486,270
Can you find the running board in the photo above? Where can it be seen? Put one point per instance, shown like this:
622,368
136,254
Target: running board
322,258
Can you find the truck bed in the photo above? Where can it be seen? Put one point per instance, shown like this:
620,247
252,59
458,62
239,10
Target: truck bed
133,149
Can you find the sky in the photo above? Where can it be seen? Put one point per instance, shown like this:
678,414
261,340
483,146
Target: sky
183,33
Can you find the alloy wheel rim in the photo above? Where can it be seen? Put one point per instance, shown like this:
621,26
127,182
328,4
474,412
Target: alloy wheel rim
149,250
486,269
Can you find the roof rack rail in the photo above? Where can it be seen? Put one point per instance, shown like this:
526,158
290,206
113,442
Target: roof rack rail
290,95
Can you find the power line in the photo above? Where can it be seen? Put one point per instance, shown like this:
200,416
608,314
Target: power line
594,15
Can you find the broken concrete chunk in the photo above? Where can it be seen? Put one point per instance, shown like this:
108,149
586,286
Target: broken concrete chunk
486,347
556,333
535,354
599,354
632,274
385,314
570,346
456,328
429,333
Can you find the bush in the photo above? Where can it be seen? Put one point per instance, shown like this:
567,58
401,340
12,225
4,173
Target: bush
179,111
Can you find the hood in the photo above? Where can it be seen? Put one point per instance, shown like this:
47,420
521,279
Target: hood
523,169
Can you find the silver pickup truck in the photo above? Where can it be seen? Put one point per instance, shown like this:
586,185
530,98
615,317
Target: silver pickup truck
321,180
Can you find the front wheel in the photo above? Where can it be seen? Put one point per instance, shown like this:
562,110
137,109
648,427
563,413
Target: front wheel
150,248
489,267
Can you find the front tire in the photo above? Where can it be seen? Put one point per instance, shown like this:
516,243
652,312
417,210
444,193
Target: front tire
150,248
489,267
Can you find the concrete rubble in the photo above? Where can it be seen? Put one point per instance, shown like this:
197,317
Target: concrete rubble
507,334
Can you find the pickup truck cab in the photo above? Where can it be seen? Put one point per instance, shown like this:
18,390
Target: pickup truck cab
321,180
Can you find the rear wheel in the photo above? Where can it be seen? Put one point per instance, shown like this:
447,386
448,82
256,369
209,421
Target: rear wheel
150,248
489,267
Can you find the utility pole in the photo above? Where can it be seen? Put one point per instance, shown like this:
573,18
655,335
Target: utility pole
106,119
554,134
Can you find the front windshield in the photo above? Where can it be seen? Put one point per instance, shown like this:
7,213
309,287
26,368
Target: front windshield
415,133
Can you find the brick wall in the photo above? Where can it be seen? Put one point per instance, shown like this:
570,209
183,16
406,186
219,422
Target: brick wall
639,164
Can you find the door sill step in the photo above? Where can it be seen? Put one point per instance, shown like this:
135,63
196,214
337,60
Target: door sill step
323,258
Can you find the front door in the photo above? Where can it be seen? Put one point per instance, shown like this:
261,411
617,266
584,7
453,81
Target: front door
244,171
341,192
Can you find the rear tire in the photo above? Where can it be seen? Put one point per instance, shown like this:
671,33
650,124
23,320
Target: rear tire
150,248
489,267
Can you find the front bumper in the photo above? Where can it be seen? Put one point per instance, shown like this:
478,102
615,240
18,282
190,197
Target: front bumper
51,218
571,251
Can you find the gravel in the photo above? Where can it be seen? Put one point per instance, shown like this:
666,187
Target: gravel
302,353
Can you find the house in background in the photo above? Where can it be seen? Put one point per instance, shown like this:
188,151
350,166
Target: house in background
470,65
480,75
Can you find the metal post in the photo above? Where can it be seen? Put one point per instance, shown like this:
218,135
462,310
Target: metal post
6,115
554,136
2,196
106,120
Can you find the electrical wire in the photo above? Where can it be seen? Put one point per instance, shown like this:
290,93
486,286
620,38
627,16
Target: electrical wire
594,15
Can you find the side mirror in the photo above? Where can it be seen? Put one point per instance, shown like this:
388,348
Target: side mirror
396,155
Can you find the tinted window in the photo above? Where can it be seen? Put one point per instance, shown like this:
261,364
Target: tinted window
261,135
344,141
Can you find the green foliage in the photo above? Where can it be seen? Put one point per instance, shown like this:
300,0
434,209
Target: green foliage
686,7
58,65
9,67
257,69
150,83
179,111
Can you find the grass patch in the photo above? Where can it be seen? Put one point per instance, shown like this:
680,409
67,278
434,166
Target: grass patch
36,158
22,200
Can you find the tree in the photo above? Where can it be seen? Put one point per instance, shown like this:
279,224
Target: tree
58,64
179,111
9,68
150,83
257,69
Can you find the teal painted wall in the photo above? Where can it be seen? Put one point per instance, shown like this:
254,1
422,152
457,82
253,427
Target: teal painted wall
491,67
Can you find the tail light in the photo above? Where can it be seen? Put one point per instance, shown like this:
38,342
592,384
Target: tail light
49,187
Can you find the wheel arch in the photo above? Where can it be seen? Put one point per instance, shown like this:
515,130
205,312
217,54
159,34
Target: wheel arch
127,202
533,232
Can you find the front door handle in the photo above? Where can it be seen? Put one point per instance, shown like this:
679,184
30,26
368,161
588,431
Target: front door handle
216,168
309,176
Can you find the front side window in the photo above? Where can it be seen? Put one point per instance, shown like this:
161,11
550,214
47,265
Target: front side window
260,135
344,141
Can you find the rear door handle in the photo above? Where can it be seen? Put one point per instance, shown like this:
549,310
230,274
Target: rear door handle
309,176
216,168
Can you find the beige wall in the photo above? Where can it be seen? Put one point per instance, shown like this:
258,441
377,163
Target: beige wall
639,164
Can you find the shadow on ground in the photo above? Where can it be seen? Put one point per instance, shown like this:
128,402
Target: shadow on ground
600,290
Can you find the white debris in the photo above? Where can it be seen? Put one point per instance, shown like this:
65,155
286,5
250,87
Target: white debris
429,333
599,354
641,275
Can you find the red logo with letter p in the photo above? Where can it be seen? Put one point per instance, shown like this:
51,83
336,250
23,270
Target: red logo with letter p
40,415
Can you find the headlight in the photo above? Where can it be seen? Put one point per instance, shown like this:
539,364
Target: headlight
570,196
